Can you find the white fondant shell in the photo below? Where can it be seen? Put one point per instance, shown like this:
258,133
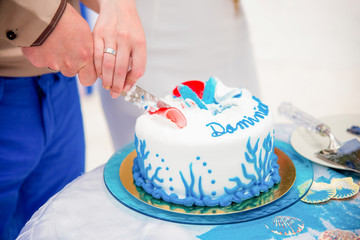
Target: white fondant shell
319,192
345,187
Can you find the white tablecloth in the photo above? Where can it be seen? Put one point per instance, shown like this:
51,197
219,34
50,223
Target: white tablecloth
86,210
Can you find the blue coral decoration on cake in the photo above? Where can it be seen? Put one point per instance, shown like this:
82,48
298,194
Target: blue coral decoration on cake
265,176
267,171
140,171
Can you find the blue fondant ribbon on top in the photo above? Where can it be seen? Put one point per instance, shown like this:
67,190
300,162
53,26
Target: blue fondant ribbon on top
188,93
209,91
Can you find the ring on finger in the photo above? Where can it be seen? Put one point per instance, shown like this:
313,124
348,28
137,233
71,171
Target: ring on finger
110,50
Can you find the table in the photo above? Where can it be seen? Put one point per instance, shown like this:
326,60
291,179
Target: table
85,209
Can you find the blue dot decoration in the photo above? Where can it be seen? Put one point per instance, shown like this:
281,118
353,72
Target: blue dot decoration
167,168
213,193
157,155
171,188
170,179
209,171
162,160
212,181
204,163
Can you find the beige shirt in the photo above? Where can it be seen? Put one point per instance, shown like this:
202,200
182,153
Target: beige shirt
25,23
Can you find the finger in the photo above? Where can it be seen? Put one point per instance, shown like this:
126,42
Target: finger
108,65
68,68
98,55
87,75
121,69
53,67
67,72
138,65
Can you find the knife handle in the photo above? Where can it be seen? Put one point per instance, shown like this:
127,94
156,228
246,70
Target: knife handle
303,119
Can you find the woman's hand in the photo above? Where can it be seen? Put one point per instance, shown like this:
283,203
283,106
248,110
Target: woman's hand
118,27
69,48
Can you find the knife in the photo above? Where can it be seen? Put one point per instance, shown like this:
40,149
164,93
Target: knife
345,154
143,99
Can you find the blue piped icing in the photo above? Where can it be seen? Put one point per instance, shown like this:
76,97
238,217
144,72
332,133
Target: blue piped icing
265,176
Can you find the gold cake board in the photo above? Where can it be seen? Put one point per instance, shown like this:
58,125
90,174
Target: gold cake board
287,173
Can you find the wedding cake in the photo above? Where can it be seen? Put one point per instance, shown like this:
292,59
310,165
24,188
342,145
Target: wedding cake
214,146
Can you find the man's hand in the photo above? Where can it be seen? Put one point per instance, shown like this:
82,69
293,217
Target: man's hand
69,48
118,27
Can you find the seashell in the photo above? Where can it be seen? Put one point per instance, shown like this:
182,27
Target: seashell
284,225
319,192
345,187
338,234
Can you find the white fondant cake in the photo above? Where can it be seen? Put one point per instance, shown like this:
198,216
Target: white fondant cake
224,154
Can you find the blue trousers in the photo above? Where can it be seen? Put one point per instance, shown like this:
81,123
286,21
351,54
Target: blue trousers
41,144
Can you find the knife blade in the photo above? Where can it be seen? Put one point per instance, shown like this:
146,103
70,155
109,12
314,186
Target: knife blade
144,99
